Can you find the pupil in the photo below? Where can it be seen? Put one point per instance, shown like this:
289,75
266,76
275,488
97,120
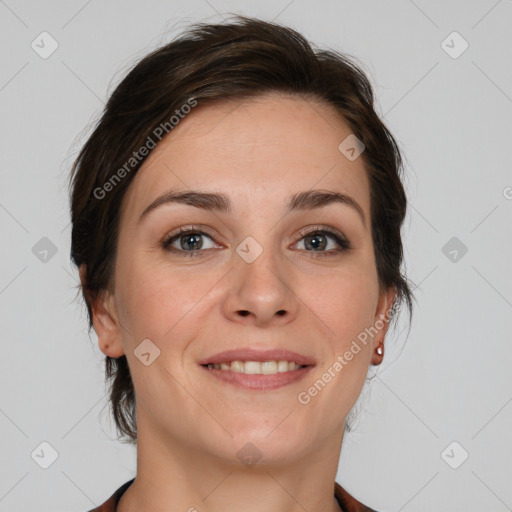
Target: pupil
316,245
192,244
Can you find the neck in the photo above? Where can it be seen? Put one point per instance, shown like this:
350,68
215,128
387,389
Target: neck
174,476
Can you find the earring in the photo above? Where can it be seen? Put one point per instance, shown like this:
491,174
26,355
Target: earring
380,349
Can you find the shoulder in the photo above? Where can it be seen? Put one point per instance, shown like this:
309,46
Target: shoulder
347,502
111,504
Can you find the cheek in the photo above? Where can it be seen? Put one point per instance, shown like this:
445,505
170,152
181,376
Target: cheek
345,302
149,301
159,302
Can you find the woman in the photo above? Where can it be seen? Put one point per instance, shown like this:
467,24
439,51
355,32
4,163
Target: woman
236,223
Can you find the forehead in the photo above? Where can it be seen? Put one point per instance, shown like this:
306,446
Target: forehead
270,146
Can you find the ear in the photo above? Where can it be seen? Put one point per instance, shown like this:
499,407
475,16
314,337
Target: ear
381,322
105,320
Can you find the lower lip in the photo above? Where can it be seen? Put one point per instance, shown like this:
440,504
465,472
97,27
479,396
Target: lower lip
259,382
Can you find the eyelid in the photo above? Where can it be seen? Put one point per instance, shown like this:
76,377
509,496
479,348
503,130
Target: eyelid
196,228
321,227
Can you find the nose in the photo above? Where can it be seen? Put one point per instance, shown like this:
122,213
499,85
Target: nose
259,291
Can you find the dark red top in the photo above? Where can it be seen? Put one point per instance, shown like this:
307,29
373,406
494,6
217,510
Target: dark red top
346,501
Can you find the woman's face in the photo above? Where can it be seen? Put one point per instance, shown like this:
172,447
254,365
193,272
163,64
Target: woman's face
250,277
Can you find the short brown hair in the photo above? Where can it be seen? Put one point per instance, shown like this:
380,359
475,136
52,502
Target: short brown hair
242,58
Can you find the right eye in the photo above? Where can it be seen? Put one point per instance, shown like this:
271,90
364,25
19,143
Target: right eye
188,240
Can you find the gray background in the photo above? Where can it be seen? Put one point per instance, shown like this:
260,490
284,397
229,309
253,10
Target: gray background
449,381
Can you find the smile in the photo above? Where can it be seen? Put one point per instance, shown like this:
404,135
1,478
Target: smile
257,367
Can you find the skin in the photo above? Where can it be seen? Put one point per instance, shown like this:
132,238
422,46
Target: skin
190,425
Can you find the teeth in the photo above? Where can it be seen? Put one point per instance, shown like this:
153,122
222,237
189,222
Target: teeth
257,368
236,366
252,367
282,366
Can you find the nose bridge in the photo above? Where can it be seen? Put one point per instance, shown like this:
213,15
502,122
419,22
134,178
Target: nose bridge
258,261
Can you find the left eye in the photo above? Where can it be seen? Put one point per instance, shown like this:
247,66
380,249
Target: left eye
316,239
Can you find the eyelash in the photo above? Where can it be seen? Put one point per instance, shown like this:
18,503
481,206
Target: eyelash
343,243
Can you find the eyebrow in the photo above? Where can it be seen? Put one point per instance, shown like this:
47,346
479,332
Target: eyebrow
308,200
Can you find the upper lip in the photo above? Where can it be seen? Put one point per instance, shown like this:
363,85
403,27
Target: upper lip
249,354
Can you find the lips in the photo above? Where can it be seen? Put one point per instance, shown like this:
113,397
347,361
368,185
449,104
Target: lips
248,354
